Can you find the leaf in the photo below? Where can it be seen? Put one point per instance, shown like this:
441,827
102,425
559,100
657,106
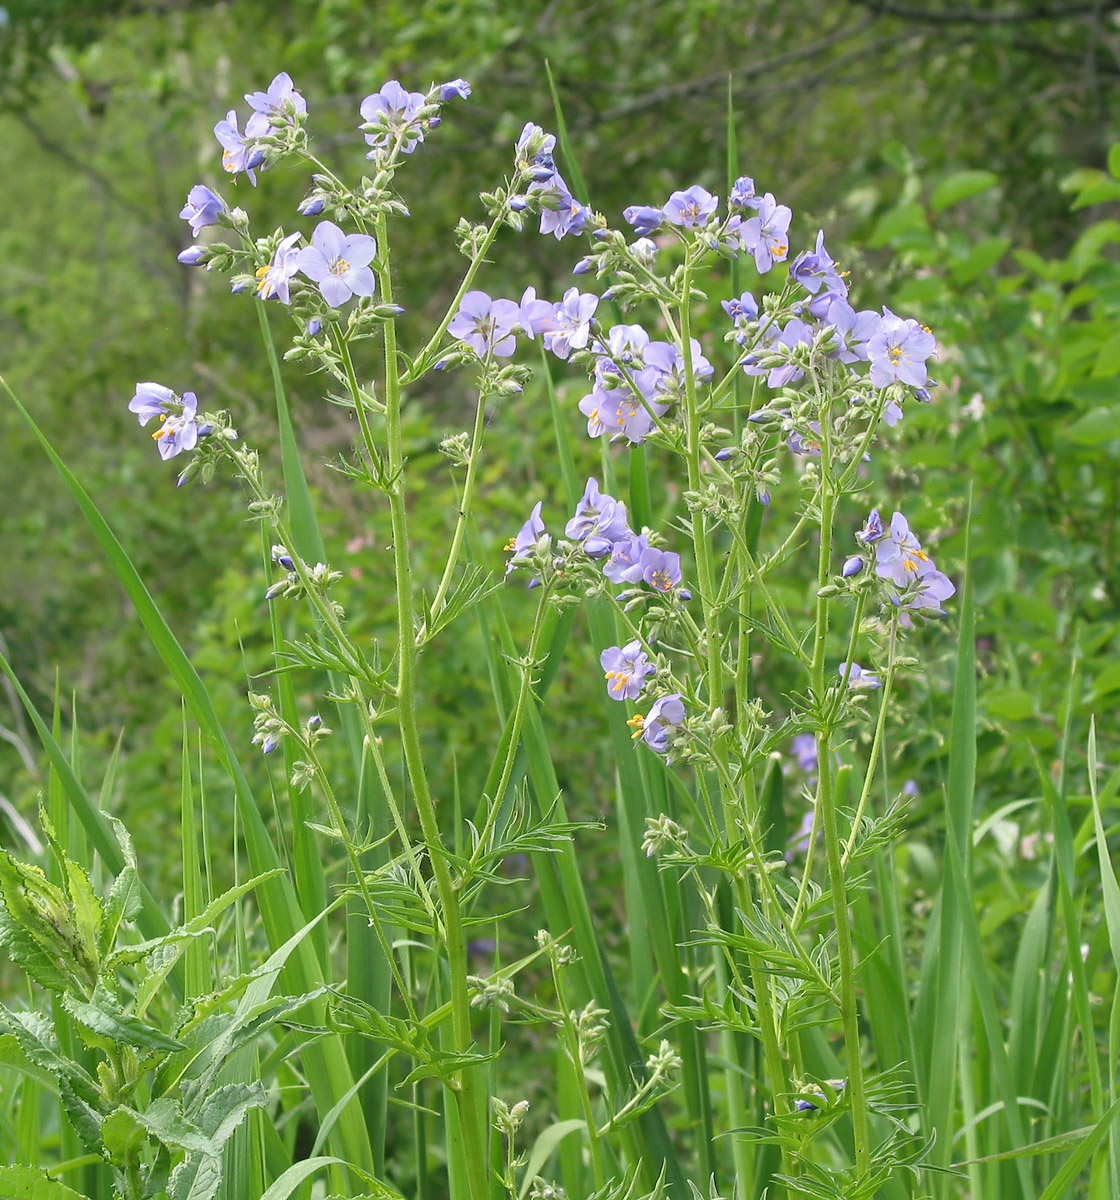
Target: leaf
1058,1187
960,186
103,1015
1011,705
1100,192
123,1134
28,1183
1108,359
981,258
283,1186
543,1147
1097,425
903,218
1114,160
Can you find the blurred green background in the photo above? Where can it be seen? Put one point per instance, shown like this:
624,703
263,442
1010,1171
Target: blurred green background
958,156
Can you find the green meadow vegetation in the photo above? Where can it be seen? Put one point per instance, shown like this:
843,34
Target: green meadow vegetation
330,863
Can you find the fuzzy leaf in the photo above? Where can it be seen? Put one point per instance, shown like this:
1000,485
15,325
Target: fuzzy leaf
104,1017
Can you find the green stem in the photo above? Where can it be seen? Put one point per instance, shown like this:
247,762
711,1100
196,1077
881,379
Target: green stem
826,809
465,503
465,1083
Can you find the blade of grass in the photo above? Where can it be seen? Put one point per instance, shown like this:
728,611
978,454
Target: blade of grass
327,1068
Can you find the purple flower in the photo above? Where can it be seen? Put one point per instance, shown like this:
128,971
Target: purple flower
599,521
178,428
873,530
898,352
644,218
856,677
281,99
742,194
239,152
765,236
925,595
815,269
535,316
455,89
804,747
527,537
626,669
619,412
853,329
533,152
644,250
799,844
202,208
392,115
654,726
274,278
486,325
624,564
741,309
561,212
572,323
338,263
796,333
661,569
690,208
899,555
193,256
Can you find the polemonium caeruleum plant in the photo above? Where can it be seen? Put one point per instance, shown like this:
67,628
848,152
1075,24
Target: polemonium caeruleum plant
759,1077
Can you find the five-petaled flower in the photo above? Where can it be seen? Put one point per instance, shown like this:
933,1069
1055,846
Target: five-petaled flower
655,725
202,208
525,539
486,325
274,278
571,325
338,263
690,208
766,235
626,670
281,101
240,151
392,115
178,427
898,352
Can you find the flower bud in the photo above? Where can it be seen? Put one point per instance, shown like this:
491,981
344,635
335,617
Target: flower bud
852,566
725,454
518,203
583,266
311,206
193,256
313,326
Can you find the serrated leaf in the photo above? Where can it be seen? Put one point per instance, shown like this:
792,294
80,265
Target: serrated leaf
33,919
28,1183
163,1119
103,1016
224,1109
197,1177
122,1133
960,186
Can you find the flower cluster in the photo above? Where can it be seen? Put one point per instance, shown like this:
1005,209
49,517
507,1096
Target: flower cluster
547,194
913,583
